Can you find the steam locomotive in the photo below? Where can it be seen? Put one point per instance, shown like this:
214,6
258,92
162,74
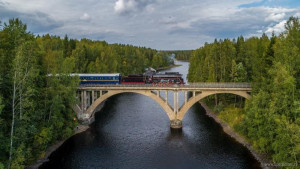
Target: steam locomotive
167,78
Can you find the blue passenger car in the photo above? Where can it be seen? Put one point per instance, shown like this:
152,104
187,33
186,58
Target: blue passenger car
100,78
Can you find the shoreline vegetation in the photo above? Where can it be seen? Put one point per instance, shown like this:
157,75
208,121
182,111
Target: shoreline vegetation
263,159
77,130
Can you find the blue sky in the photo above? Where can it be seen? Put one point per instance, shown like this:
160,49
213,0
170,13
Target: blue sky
159,24
272,3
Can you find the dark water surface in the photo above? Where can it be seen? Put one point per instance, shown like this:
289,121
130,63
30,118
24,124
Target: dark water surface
133,131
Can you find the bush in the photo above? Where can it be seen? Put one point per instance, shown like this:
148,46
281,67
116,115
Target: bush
1,166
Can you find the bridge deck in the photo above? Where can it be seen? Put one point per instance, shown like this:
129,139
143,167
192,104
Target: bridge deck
191,86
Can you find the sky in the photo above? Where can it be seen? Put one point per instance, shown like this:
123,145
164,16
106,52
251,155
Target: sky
158,24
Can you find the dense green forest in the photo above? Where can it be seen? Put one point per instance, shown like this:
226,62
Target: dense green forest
35,108
270,120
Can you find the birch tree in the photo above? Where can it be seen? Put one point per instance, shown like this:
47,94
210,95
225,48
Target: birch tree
24,71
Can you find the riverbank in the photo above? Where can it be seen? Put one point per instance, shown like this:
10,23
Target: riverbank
183,60
51,149
78,129
167,67
262,159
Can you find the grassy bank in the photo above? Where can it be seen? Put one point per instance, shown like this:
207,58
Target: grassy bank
230,119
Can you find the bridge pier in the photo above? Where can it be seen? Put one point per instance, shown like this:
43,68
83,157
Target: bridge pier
176,124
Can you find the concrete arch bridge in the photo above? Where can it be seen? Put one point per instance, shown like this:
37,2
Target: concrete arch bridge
93,95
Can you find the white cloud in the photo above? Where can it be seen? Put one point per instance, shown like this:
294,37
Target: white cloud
275,17
85,17
123,5
131,6
278,28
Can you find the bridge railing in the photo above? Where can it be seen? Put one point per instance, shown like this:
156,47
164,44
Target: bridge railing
220,85
193,85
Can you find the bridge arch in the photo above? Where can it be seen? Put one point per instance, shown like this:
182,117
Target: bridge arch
162,102
185,107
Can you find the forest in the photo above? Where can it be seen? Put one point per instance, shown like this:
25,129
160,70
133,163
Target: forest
35,108
270,119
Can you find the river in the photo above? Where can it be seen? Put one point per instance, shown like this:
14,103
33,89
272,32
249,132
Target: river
133,131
